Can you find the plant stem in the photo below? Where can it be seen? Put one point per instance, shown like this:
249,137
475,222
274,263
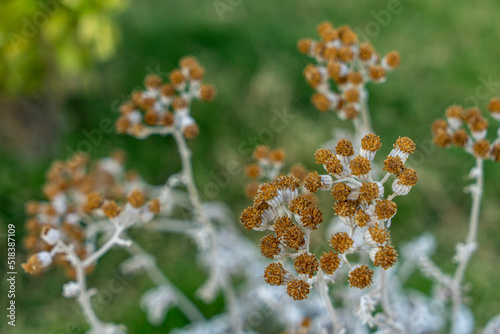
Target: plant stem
159,278
476,193
323,290
202,216
84,295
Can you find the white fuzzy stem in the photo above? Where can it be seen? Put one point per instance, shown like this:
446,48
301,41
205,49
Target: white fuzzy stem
204,219
323,290
159,278
476,193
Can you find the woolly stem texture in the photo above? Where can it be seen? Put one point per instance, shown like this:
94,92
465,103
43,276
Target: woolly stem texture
470,242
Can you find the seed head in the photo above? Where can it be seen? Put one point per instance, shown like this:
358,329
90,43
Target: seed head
379,235
136,198
385,257
460,138
251,217
345,208
312,75
176,77
346,54
313,182
341,191
252,171
481,149
152,81
277,156
360,277
385,209
94,200
269,246
366,51
392,59
274,274
154,206
439,125
299,205
298,289
322,155
329,262
442,138
334,166
405,145
320,102
306,264
344,148
360,166
394,165
408,177
341,242
377,73
362,218
368,192
207,92
111,209
371,142
261,152
294,237
312,217
304,45
351,95
494,105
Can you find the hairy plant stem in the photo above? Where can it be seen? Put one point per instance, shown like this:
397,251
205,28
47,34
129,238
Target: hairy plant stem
365,116
84,295
323,290
476,194
200,213
159,278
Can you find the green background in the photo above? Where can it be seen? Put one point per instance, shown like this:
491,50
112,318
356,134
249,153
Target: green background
449,50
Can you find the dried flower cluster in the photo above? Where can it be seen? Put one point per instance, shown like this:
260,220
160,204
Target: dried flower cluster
161,107
267,166
284,207
340,57
451,131
78,195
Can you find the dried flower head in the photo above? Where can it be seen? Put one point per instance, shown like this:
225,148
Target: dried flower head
394,165
298,289
306,264
329,262
341,191
111,209
341,242
136,198
384,256
385,209
313,182
274,274
322,155
360,277
269,246
344,148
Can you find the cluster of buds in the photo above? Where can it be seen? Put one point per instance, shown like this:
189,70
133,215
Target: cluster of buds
79,196
267,167
280,206
450,131
350,64
164,107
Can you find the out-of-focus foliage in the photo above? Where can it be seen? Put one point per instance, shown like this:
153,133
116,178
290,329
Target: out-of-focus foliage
40,40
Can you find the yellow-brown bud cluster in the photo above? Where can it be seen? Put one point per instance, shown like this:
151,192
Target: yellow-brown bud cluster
348,64
471,138
78,191
164,106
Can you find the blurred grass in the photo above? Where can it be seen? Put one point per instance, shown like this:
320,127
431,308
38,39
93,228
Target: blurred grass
250,56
